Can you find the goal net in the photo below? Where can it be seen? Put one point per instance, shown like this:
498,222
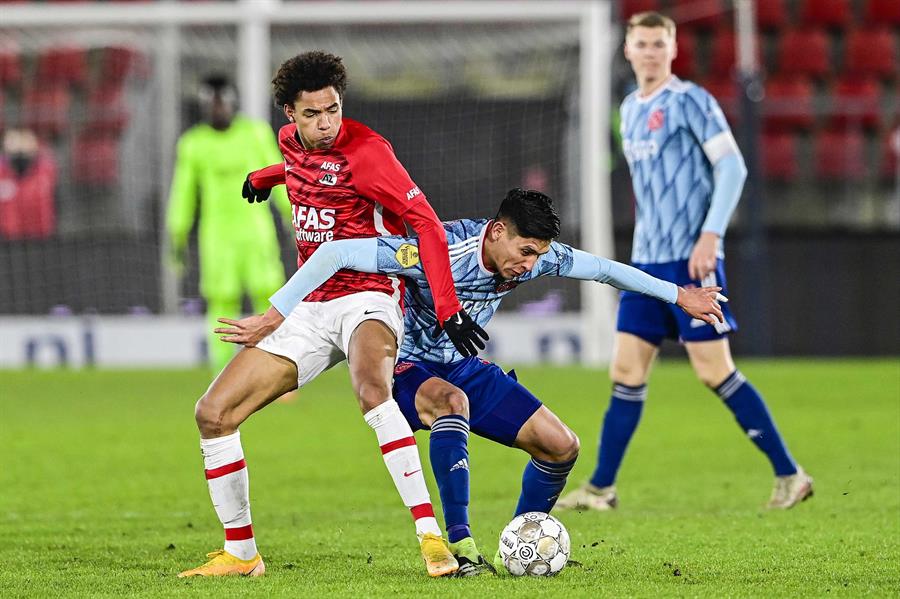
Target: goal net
474,100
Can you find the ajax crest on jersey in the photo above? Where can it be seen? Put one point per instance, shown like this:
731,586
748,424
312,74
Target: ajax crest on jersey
534,544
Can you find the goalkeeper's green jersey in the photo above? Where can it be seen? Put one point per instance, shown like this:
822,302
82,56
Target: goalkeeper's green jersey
210,169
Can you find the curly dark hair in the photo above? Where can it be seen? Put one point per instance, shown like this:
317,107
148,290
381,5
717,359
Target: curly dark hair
530,213
308,72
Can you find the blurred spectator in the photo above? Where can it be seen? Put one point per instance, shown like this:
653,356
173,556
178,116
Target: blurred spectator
27,187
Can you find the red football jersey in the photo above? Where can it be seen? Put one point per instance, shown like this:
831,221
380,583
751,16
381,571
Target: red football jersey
357,188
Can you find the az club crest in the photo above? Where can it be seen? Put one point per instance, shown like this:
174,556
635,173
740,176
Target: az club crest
656,120
328,179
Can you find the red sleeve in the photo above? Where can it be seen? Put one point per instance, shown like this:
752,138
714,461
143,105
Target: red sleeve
435,258
379,176
269,177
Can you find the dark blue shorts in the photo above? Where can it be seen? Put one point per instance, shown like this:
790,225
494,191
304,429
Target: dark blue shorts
654,320
498,404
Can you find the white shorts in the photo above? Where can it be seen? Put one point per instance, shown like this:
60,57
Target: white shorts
316,335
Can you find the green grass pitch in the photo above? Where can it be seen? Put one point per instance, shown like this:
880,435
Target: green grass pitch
102,492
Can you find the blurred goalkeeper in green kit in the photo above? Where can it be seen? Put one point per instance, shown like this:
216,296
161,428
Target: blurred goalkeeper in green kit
239,250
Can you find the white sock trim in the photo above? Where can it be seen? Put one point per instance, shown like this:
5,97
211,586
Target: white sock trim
377,415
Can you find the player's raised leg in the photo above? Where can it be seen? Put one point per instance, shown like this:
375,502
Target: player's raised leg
713,364
371,355
629,370
250,381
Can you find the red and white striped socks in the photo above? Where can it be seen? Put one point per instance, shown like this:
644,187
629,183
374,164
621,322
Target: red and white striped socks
401,456
229,488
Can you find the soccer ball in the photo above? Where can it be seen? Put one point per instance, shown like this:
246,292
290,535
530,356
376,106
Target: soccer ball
534,544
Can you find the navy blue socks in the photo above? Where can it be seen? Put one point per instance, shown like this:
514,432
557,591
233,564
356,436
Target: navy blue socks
450,463
619,424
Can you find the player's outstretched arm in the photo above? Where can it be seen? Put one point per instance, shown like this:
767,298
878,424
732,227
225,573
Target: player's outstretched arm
701,303
258,184
353,254
330,257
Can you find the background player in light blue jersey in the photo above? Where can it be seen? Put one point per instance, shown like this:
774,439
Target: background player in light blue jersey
687,174
435,386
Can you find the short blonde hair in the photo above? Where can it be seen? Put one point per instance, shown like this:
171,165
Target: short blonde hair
651,19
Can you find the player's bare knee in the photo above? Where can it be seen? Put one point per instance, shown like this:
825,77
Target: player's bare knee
452,401
627,373
709,380
566,446
710,374
371,395
212,419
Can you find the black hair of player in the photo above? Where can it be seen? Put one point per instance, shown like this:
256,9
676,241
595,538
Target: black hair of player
308,72
530,213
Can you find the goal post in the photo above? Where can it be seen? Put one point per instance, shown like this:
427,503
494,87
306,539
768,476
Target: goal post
463,67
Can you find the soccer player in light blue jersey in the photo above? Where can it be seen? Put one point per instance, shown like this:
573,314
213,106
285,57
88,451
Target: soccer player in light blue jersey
439,389
687,174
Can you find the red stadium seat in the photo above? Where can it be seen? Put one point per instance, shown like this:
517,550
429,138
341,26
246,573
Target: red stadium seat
107,110
882,12
871,52
65,65
725,91
723,53
839,155
700,14
856,101
788,103
46,109
826,13
10,65
804,52
779,156
890,155
119,62
685,63
631,7
94,160
771,14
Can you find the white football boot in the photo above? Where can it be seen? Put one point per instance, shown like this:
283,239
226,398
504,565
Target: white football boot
791,490
589,497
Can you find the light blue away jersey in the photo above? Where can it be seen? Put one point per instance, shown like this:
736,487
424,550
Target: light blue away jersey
479,290
671,140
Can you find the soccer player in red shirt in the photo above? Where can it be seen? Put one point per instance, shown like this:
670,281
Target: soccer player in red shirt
343,182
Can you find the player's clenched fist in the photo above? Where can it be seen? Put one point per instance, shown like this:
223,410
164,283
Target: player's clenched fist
252,194
464,333
702,303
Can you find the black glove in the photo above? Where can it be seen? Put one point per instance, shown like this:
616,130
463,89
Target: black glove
464,333
251,194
